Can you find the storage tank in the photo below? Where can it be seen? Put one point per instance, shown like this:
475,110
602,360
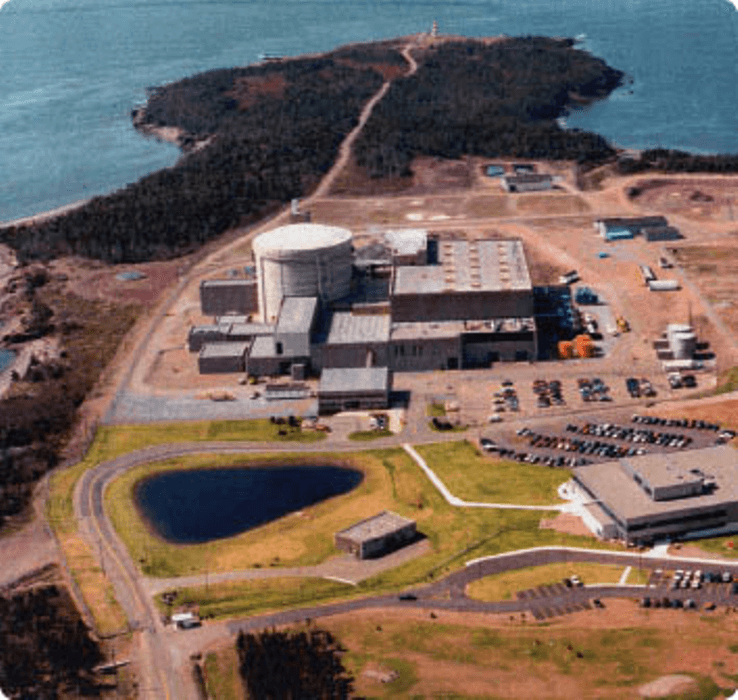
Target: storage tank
682,341
302,260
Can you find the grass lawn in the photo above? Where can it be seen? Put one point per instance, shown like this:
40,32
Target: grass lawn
222,679
724,546
294,540
110,442
505,586
369,435
474,477
232,598
638,577
435,410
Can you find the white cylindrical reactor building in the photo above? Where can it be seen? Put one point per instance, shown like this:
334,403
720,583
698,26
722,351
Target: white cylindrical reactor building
302,260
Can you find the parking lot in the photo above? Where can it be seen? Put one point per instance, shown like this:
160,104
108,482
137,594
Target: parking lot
574,442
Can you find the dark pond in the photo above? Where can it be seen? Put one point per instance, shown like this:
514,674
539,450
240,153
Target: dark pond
200,505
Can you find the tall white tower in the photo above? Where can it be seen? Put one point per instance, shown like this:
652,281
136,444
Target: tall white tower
434,29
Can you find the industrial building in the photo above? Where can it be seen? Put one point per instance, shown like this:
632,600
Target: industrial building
527,182
354,389
472,305
652,228
662,496
231,296
376,536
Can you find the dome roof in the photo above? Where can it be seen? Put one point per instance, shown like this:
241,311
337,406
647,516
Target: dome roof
301,237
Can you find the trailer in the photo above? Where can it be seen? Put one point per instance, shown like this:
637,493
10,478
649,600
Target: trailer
663,285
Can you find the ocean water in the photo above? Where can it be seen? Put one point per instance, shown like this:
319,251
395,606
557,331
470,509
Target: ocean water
72,70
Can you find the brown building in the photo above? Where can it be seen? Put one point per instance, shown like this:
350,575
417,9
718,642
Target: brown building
376,536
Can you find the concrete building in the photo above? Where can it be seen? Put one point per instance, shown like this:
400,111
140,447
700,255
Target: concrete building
222,358
474,280
658,496
356,341
408,246
473,308
348,389
527,182
376,536
232,296
302,260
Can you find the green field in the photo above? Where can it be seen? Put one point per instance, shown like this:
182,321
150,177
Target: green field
251,597
474,477
505,586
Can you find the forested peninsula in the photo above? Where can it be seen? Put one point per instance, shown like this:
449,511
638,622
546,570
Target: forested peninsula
267,133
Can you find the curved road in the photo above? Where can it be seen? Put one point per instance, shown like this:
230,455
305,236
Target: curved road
165,654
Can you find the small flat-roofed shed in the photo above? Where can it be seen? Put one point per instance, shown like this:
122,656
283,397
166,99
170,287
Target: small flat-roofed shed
222,358
377,535
353,388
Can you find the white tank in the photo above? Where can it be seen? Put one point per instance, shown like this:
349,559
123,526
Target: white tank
683,344
302,260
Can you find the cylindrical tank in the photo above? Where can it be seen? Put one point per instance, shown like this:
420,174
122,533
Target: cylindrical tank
683,344
302,260
566,349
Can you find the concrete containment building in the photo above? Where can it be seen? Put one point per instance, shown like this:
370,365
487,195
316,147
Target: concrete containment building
302,260
377,535
656,496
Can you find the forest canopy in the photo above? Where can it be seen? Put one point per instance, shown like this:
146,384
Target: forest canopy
259,136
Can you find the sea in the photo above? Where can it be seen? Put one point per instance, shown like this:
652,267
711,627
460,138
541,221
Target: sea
71,71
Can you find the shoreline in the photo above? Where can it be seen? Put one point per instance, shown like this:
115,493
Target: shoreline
43,215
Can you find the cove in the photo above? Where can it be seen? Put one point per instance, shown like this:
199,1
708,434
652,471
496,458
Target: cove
200,505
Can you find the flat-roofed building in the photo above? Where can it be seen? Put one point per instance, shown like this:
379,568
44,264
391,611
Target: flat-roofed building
474,280
377,535
233,296
210,333
222,358
295,326
408,246
353,388
266,358
356,340
526,182
665,495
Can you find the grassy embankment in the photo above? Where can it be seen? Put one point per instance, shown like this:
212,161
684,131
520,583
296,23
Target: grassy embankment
394,482
504,659
111,442
505,586
369,435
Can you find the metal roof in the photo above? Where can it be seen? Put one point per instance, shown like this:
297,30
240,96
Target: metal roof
380,525
353,379
224,349
468,266
296,315
347,328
